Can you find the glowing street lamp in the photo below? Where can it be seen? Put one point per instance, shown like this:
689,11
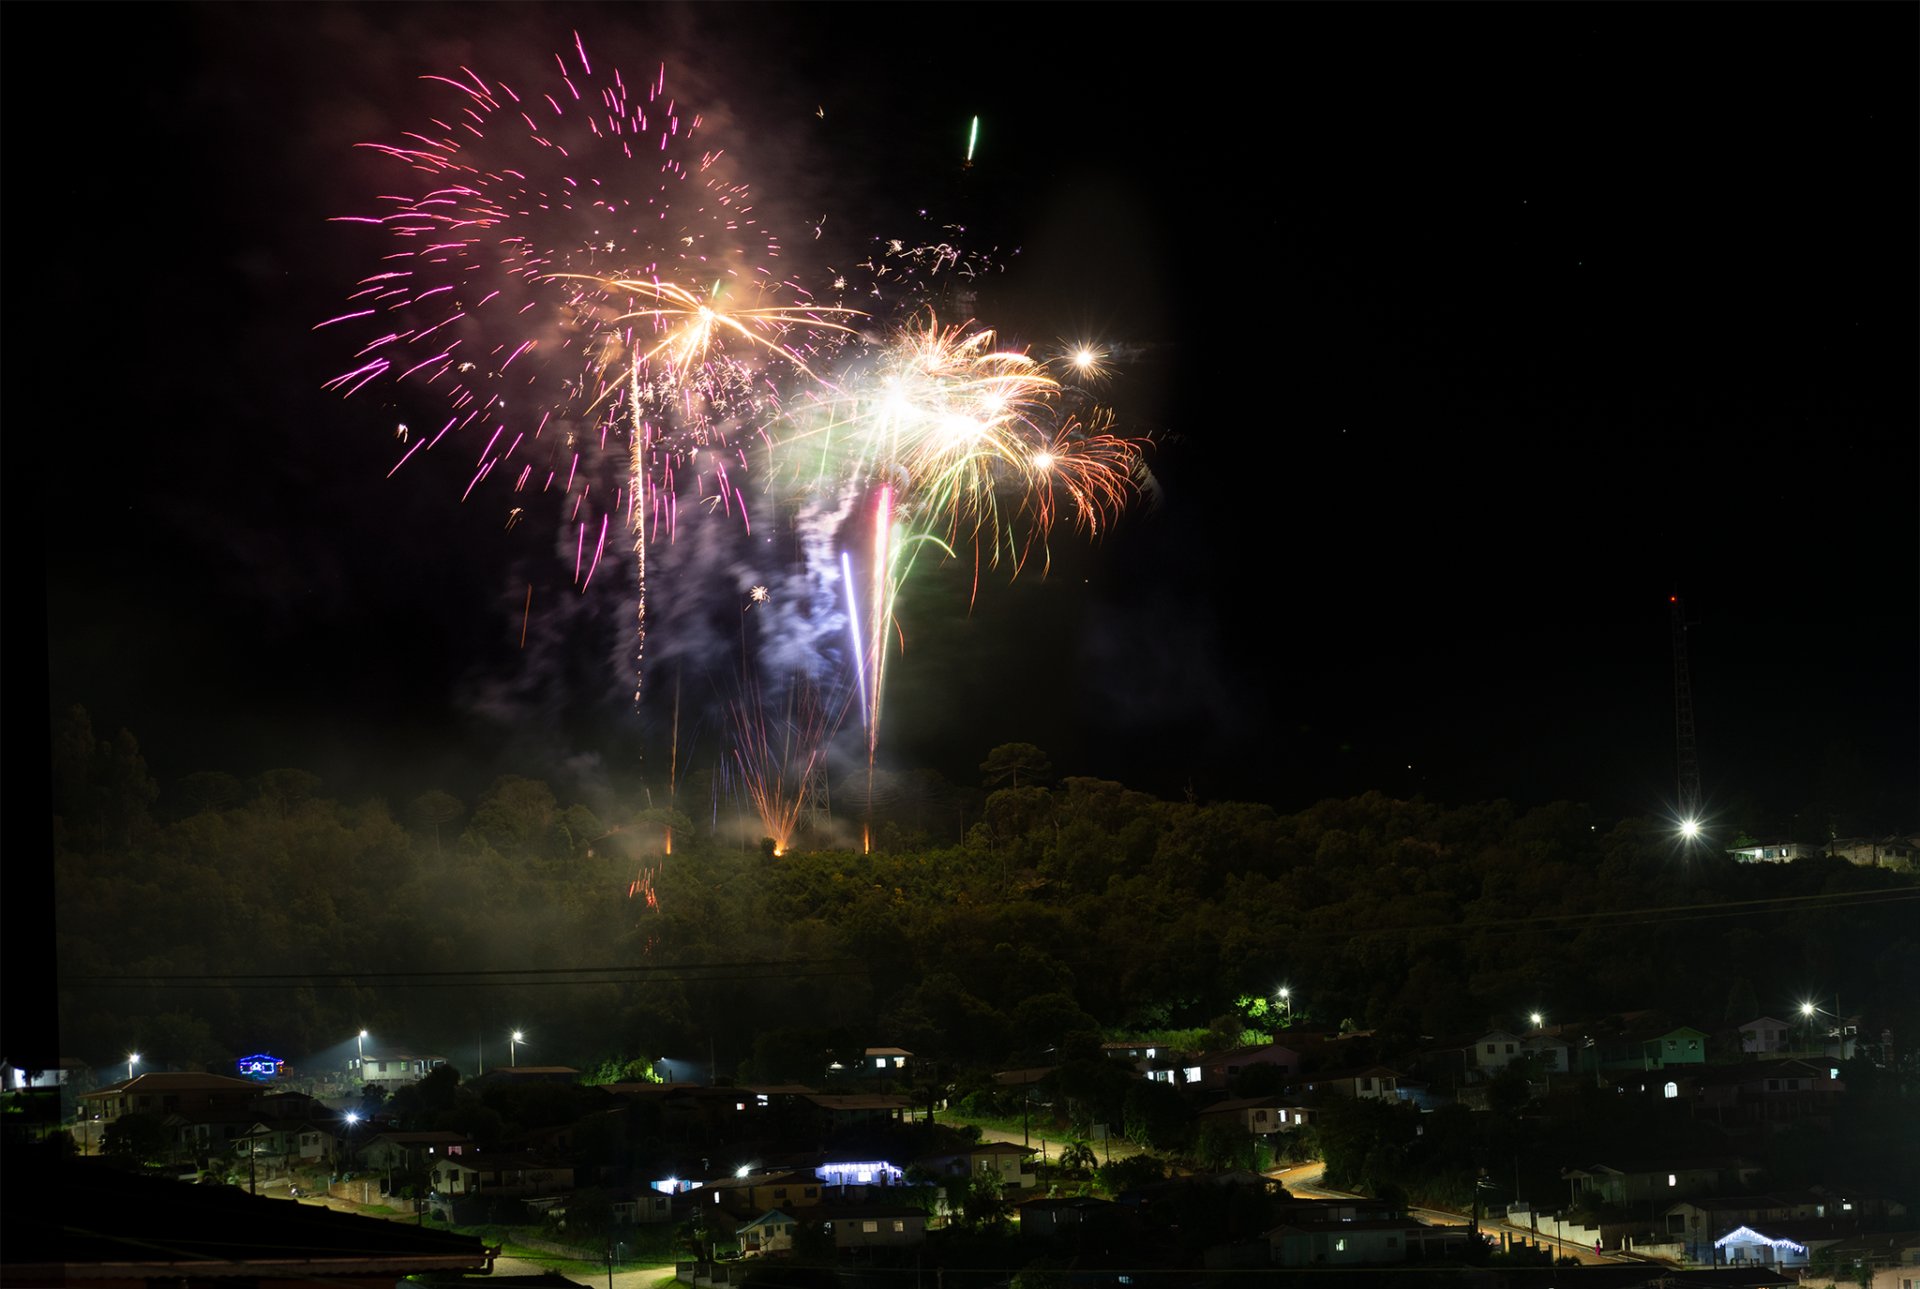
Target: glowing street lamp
1537,1019
513,1049
133,1059
1690,829
360,1046
1286,1001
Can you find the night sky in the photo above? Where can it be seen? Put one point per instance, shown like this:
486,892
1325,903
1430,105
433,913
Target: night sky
1466,336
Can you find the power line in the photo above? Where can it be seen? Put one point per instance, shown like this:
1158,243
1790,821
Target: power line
686,973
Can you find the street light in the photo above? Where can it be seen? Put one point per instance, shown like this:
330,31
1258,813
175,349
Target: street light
359,1046
513,1049
1537,1019
1286,1001
132,1059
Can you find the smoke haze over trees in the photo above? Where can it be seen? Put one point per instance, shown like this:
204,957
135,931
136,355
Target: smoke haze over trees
218,917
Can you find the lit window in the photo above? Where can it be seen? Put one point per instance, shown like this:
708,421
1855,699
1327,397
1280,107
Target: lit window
1672,1180
899,1225
1673,1090
869,1227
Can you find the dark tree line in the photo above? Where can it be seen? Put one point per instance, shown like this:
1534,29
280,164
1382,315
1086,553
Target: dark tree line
225,915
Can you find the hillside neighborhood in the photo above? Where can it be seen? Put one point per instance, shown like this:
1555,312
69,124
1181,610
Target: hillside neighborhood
1138,1154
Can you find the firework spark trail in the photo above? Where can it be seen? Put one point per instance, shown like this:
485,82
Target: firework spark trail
572,271
962,446
778,757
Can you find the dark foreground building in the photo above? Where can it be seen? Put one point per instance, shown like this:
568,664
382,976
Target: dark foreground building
70,1221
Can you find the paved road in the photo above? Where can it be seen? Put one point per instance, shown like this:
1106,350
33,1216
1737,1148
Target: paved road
641,1278
1304,1180
626,1278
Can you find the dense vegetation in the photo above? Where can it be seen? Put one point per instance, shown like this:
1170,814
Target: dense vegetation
219,917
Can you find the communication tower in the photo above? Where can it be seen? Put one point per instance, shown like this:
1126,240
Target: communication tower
1686,756
818,810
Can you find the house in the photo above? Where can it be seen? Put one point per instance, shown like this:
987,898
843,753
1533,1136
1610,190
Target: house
788,1190
1491,1054
1642,1181
1883,1260
1774,852
871,1227
1178,1068
1258,1115
500,1175
1760,1094
1026,1078
1841,1200
1376,1082
1133,1052
1783,1244
1639,1041
205,1133
865,1172
1004,1160
167,1093
1067,1215
288,1145
1549,1052
890,1062
646,1207
405,1151
1886,852
688,1110
1362,1242
770,1233
1698,1222
1220,1069
1765,1036
390,1070
835,1112
19,1078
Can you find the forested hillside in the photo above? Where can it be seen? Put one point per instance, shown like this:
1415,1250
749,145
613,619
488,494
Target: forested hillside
218,916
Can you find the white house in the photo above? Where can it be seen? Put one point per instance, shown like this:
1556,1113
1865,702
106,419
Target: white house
1492,1053
392,1069
1774,852
1765,1036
